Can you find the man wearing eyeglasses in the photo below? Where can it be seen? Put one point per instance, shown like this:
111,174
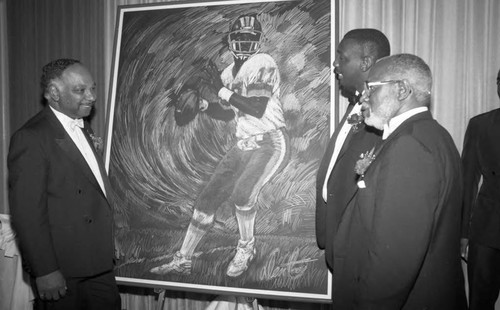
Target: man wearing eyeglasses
336,181
398,245
481,216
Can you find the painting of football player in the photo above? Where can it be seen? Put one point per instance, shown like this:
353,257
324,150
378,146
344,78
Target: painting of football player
246,92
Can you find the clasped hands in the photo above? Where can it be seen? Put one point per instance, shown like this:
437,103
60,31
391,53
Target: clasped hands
51,286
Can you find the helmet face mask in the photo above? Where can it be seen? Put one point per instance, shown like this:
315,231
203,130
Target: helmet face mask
245,37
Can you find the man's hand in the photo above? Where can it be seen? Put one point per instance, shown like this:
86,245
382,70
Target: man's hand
51,286
464,248
213,75
210,82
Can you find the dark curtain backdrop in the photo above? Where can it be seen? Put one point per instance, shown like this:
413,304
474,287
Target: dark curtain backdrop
43,30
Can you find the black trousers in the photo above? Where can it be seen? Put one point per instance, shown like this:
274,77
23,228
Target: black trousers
483,270
99,292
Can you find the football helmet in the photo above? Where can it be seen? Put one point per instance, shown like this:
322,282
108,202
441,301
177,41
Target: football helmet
245,37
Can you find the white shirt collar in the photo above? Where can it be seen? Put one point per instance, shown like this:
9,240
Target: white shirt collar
396,121
64,119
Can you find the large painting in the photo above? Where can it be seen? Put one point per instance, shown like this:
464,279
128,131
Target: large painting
219,114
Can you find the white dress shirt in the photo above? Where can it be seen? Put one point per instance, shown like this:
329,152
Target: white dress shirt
344,131
398,120
82,143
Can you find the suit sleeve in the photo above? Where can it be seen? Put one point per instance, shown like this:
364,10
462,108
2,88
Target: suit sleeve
28,202
320,222
471,171
401,223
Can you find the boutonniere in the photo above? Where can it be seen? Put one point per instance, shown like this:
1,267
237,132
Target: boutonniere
97,141
364,161
356,120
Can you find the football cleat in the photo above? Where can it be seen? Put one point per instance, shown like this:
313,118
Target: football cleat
179,264
245,253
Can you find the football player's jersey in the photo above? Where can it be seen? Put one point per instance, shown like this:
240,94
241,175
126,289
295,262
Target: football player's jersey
258,76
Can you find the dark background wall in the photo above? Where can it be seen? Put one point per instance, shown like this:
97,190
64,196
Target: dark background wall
43,30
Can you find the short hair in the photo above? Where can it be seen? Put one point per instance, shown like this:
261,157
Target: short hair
373,41
54,70
415,71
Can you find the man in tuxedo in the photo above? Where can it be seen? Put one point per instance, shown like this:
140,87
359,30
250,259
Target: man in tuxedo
398,242
481,209
336,181
59,197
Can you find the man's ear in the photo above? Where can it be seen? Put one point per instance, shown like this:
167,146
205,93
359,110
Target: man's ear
52,92
404,90
366,63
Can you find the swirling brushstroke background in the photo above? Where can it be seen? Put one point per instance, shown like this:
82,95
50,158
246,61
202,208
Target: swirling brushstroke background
157,168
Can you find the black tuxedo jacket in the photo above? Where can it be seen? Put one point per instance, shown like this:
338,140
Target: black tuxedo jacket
341,183
481,158
398,243
60,214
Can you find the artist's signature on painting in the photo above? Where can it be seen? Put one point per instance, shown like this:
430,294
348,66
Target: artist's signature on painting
284,265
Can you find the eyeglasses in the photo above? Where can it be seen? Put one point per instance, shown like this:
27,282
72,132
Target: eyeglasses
370,86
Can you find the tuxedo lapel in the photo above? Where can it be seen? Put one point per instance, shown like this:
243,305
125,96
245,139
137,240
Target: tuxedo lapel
348,138
69,147
323,168
346,143
64,141
102,170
